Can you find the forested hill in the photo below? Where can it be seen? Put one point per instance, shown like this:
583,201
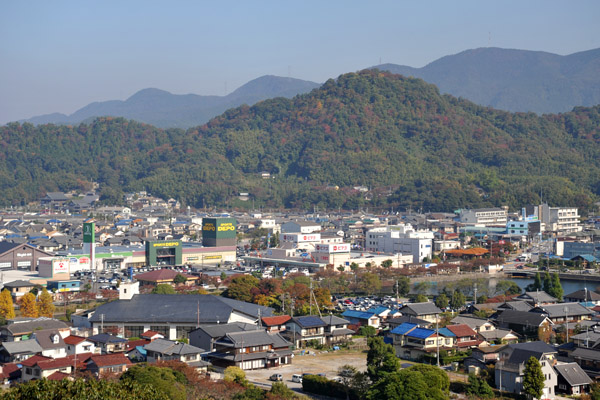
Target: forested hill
397,136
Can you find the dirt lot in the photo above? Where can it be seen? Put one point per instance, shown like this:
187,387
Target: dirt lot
319,363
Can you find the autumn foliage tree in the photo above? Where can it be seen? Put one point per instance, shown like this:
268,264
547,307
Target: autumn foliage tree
46,306
7,308
28,306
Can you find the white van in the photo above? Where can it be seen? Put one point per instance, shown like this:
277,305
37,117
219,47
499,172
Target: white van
297,378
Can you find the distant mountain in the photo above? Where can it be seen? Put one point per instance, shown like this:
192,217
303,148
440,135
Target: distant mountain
515,80
167,110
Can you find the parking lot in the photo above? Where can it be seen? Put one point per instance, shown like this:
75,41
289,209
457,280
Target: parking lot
314,363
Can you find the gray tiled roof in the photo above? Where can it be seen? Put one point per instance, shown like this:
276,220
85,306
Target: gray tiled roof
523,318
44,338
173,308
333,320
220,330
169,347
19,328
496,334
426,308
22,346
584,295
586,354
518,305
538,297
558,310
471,322
523,351
573,374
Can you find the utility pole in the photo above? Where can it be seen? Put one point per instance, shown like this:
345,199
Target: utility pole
437,340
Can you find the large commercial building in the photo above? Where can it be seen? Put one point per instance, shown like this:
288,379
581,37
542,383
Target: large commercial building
20,256
219,232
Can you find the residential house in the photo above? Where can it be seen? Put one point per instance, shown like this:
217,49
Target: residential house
18,288
517,305
538,298
18,351
336,330
362,318
498,336
151,335
38,367
583,296
108,343
572,380
483,356
571,312
10,373
509,370
527,324
418,342
588,359
205,337
79,345
251,350
466,337
167,350
397,321
477,324
22,328
304,329
103,364
276,323
427,311
51,342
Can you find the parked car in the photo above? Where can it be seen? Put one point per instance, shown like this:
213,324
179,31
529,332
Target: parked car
276,377
297,378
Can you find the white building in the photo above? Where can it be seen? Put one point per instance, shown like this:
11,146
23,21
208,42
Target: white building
300,227
400,239
561,220
484,216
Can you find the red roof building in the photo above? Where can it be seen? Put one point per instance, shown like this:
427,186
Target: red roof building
275,324
108,363
465,336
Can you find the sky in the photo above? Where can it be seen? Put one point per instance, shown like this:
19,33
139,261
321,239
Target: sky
58,56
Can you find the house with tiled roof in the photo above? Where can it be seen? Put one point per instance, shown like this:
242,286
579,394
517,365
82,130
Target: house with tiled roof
526,324
304,329
103,364
79,345
475,323
38,367
362,318
572,380
18,351
10,373
426,310
51,342
108,343
509,370
465,336
571,312
583,296
275,323
251,350
167,350
206,336
152,335
537,298
59,376
22,328
417,342
336,329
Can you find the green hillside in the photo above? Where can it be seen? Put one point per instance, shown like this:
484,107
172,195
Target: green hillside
398,136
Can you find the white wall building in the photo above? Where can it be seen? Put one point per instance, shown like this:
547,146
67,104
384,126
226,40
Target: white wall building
484,216
561,220
300,227
400,239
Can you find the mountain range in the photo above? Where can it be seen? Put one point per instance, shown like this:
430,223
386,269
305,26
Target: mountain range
411,146
512,80
515,80
166,110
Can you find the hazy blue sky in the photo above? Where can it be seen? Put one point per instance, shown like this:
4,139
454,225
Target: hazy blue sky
58,56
